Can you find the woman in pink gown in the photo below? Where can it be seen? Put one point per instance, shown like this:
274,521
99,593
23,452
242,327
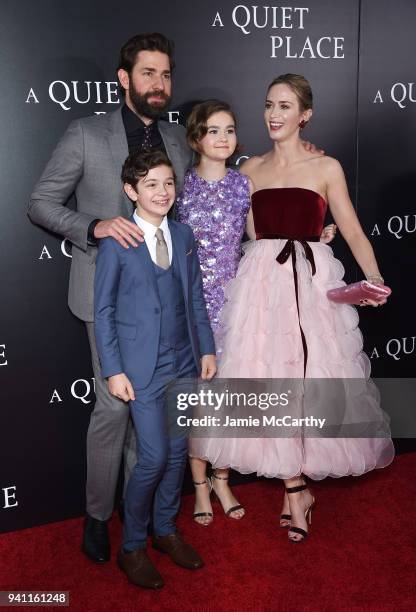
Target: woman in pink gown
278,322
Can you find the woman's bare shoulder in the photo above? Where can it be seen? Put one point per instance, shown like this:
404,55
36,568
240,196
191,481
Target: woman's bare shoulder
329,164
252,164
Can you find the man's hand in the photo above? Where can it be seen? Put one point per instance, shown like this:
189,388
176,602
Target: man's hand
328,233
208,367
120,386
124,231
311,148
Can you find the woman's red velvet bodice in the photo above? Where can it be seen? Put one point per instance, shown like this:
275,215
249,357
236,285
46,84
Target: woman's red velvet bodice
288,212
297,215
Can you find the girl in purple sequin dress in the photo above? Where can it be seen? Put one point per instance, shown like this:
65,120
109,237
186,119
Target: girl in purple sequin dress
215,202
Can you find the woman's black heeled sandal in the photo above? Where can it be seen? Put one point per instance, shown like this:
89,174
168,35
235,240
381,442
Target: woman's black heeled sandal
233,508
203,514
308,515
285,517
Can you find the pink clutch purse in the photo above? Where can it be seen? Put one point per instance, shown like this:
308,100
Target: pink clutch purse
363,290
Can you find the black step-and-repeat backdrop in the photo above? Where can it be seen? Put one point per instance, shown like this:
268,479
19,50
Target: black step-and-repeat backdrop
58,63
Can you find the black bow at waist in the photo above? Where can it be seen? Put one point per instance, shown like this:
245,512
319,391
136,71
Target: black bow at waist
287,251
289,248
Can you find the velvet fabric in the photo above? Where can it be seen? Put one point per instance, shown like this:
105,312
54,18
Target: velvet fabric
300,217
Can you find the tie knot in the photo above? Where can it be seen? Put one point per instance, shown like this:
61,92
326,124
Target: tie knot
159,235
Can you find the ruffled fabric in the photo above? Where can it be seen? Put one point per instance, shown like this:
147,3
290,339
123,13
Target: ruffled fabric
259,337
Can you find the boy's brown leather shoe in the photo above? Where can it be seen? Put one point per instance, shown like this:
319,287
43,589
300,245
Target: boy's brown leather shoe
179,551
139,569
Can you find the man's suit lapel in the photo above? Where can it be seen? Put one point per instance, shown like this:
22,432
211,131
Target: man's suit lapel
179,253
117,140
175,153
171,145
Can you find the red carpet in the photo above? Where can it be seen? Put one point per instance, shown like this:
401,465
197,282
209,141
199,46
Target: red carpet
361,554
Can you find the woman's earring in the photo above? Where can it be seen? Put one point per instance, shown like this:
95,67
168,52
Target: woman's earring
302,124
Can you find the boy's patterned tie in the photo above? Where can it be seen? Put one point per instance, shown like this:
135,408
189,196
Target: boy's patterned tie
162,254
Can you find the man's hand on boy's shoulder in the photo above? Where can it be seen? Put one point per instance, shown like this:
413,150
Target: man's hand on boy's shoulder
208,367
124,231
120,386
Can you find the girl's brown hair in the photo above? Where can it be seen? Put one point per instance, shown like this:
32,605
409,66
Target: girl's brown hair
197,124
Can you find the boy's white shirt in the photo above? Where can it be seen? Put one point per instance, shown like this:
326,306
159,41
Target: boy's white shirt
150,235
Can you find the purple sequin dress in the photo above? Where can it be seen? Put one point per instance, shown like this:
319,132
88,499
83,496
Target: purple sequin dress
216,211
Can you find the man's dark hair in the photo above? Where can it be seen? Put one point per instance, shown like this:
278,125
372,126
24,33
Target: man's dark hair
138,164
144,42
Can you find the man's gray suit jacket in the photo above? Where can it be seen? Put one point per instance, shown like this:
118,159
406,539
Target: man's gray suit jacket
88,161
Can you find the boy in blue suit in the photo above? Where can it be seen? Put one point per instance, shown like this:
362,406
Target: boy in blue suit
152,328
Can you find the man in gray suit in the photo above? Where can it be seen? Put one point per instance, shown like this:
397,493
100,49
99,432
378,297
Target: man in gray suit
88,161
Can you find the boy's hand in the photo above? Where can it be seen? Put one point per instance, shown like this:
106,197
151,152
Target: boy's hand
208,367
120,386
328,233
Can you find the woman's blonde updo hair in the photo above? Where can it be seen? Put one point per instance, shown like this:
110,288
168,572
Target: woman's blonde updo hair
299,85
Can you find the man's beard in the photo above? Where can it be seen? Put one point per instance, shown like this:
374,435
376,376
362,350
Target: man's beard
142,106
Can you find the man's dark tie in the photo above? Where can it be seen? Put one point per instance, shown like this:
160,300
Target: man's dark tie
147,138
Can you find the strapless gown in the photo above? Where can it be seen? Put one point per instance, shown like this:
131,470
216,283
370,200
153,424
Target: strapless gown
277,322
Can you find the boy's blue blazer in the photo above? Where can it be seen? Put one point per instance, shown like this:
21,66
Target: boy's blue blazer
127,310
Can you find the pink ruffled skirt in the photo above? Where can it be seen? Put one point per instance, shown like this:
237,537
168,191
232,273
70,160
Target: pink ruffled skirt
260,337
